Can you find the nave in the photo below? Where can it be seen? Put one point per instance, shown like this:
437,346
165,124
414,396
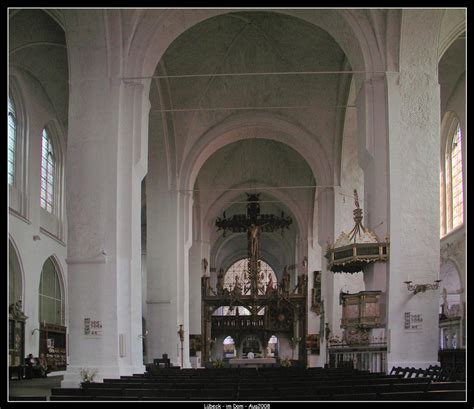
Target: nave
181,183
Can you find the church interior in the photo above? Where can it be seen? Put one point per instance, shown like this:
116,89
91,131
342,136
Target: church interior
267,198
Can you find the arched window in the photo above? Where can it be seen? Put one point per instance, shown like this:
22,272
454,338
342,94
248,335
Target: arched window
454,179
229,347
272,346
457,178
442,206
48,173
239,273
17,162
12,141
51,300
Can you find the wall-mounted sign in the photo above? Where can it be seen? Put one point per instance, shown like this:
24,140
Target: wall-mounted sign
87,326
92,327
413,322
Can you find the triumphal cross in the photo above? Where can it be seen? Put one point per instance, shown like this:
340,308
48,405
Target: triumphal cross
253,223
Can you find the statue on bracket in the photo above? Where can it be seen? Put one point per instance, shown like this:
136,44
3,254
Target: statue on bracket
16,311
220,282
204,266
285,281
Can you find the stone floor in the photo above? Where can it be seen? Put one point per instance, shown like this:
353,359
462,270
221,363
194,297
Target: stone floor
33,389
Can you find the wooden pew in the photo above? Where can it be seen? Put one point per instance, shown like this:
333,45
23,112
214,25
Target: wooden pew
355,397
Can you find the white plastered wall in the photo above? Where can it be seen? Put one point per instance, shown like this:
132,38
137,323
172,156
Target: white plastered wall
33,239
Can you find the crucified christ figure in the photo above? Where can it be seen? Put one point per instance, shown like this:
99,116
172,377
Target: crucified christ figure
253,237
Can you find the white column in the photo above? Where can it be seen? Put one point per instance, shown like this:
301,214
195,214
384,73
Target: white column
104,167
168,244
373,145
132,167
103,201
414,214
373,159
325,208
198,251
414,140
184,245
162,272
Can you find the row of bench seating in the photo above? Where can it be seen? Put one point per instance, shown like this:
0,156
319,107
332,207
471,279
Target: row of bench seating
434,372
277,385
209,396
280,385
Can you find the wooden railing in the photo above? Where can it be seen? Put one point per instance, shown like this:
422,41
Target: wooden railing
371,357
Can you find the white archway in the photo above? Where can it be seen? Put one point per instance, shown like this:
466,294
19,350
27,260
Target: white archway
256,125
16,269
351,29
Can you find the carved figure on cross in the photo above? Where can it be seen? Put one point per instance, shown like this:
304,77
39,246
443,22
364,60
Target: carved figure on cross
253,223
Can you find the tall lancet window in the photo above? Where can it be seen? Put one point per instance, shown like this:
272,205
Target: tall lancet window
51,300
442,229
48,176
11,142
454,183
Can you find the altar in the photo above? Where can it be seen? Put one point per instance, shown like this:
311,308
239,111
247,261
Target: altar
251,363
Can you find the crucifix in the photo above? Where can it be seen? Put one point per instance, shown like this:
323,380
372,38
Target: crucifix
253,223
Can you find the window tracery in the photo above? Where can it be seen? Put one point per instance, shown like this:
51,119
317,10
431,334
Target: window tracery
12,141
48,176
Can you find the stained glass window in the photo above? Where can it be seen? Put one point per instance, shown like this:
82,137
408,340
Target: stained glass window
441,206
47,173
11,142
457,178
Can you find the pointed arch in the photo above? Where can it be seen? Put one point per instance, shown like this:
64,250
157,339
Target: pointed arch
52,292
151,38
451,174
18,188
263,125
16,273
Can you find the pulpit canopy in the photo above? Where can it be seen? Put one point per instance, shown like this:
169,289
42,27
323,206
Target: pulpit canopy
354,250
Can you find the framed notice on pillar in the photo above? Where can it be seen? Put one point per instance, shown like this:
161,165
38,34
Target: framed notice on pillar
413,322
92,328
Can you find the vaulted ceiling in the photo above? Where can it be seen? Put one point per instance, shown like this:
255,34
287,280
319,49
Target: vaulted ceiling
37,47
209,74
245,43
452,69
286,183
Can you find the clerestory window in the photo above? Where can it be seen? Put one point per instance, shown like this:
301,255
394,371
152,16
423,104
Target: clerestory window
453,200
48,173
12,141
457,179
